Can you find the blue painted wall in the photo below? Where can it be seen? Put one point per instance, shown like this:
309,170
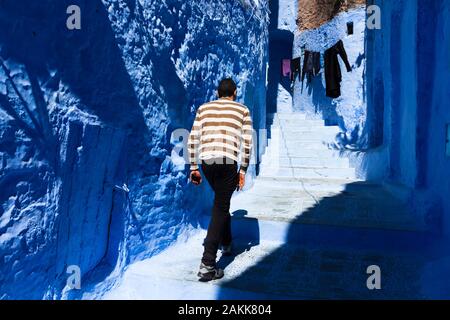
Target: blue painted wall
434,168
281,38
84,112
413,79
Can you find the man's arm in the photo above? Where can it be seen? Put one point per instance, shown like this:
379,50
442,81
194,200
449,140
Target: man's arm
247,139
193,144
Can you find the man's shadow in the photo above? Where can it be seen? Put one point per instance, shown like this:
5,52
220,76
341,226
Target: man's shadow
245,236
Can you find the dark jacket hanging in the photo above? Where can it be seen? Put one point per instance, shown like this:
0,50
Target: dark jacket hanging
311,65
333,75
295,68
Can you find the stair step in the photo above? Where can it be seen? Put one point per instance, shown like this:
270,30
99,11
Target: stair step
302,233
284,152
305,193
304,205
299,145
292,139
304,152
278,207
308,137
321,185
308,172
293,123
304,129
296,162
289,115
324,202
326,142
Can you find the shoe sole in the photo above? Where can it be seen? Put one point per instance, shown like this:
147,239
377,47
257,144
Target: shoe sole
208,278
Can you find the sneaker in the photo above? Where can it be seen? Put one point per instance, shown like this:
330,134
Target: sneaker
227,250
208,273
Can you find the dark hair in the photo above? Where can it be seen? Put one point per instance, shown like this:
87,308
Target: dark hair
227,87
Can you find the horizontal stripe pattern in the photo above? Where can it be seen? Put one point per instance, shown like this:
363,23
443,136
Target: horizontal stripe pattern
221,129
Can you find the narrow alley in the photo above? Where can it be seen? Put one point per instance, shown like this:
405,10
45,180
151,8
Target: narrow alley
346,184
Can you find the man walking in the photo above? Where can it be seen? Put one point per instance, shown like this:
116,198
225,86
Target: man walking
221,129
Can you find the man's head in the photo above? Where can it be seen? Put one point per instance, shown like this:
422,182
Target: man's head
227,89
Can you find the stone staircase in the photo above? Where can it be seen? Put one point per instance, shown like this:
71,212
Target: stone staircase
306,229
313,227
304,181
298,148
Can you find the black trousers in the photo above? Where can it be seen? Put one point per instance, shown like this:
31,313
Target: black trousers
222,176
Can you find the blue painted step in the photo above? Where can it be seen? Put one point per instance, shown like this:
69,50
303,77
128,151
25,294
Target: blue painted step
253,230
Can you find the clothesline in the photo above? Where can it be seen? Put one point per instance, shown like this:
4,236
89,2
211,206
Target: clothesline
312,65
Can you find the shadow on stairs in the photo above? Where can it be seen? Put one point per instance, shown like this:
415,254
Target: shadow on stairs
318,228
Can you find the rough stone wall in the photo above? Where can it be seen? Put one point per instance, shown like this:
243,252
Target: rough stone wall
86,123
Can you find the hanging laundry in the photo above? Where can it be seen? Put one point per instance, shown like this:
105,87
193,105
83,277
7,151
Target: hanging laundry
333,75
311,65
295,68
286,68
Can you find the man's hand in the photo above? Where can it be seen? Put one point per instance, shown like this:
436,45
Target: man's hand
196,177
241,182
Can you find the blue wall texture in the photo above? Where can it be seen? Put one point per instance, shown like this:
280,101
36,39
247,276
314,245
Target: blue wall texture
86,118
408,86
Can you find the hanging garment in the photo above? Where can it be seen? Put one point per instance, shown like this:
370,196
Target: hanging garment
333,75
311,65
295,68
286,68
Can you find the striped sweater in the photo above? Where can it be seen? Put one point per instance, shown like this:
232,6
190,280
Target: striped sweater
221,129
